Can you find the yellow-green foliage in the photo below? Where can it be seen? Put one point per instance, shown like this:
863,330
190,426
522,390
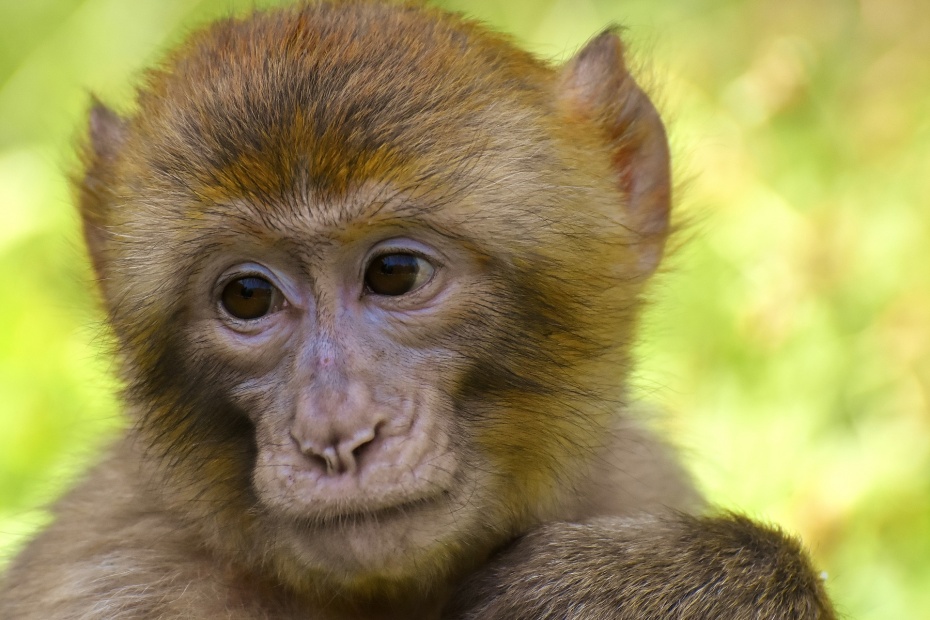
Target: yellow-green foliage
789,341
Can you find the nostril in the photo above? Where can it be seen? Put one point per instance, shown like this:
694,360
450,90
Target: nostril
321,456
351,450
365,447
317,460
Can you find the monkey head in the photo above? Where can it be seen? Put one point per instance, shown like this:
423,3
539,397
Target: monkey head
373,293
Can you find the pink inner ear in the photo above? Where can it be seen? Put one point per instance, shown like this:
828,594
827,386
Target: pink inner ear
107,130
106,137
597,86
590,78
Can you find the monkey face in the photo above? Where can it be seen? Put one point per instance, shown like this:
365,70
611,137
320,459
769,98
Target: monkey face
335,344
375,368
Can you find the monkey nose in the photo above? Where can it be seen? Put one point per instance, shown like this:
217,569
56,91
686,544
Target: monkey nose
338,455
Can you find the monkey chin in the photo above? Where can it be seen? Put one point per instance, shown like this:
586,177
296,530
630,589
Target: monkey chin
387,550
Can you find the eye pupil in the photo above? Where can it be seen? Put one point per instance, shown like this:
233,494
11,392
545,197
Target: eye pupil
396,274
249,298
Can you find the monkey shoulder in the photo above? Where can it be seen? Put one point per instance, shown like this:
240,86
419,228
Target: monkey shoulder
114,551
673,566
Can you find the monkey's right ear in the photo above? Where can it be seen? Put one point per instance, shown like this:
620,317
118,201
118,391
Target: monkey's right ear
596,87
106,136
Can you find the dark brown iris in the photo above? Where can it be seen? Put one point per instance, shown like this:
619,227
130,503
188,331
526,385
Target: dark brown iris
249,298
396,274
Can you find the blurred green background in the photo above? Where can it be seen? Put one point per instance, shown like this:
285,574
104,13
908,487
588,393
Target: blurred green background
789,340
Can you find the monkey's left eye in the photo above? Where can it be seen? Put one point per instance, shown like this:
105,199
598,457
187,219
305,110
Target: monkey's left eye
397,274
250,298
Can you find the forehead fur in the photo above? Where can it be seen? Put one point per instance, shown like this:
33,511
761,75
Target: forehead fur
256,108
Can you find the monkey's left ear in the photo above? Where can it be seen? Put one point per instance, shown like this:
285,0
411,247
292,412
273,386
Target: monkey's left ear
106,136
596,86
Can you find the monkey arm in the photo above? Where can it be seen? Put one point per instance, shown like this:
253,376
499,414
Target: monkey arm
673,567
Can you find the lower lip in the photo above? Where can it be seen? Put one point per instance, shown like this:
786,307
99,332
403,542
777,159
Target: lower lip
377,516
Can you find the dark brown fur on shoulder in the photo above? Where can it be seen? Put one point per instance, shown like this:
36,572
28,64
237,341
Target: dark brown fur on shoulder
678,567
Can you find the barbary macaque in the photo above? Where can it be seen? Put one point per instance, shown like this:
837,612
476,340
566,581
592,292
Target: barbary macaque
373,274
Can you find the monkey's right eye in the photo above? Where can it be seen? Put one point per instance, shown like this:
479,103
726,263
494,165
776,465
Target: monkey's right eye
251,297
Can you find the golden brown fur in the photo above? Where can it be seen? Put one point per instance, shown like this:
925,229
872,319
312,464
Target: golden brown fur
359,455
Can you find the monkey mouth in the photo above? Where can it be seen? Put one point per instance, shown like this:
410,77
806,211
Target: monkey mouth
348,517
289,489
